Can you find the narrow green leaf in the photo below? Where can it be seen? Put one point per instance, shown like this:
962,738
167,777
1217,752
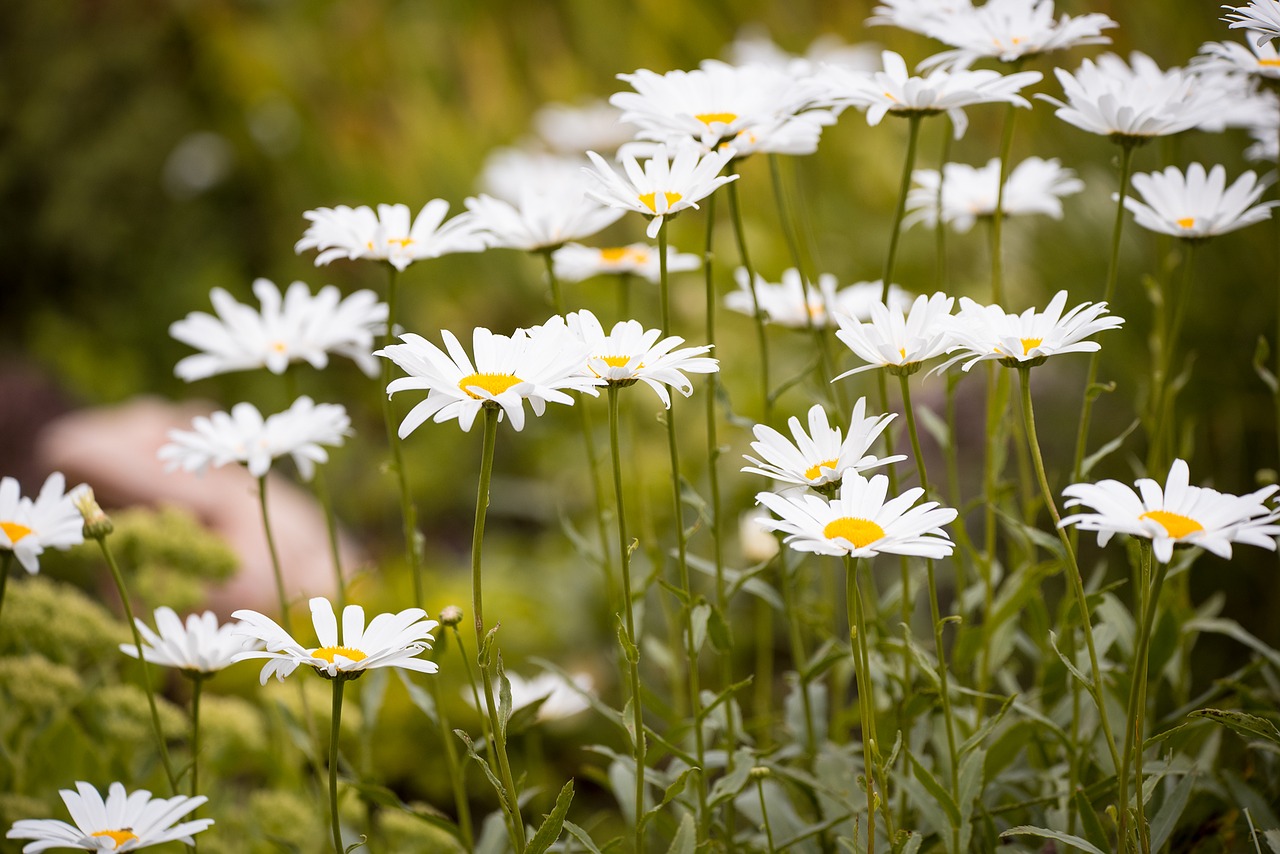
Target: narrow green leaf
686,838
504,698
730,784
1084,680
1243,723
1167,819
1233,630
720,633
583,837
672,791
1109,448
1064,838
1093,829
549,832
987,726
937,790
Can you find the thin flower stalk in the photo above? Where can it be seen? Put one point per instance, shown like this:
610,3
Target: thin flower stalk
478,704
197,683
1161,450
334,729
457,778
762,340
939,226
997,216
997,396
408,513
866,706
764,809
6,561
282,598
904,186
1148,601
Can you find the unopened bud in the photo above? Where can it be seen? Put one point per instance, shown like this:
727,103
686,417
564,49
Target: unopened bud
96,523
451,615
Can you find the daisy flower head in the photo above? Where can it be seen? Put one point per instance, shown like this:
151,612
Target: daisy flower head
894,91
1011,30
125,821
917,16
629,353
199,647
575,128
244,436
1260,16
1177,515
667,183
1258,60
1034,186
536,365
1199,204
28,527
1132,103
789,303
820,457
558,697
389,640
754,46
859,522
389,234
897,340
295,327
1266,145
574,262
982,332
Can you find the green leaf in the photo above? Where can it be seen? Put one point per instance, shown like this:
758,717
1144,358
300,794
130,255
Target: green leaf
1167,819
384,797
720,633
1093,828
1233,630
1107,449
937,790
686,838
488,772
672,791
698,619
504,699
418,696
987,726
549,832
730,784
1064,838
583,837
1084,680
1243,723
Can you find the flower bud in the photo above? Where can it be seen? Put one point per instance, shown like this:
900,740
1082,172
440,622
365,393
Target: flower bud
96,523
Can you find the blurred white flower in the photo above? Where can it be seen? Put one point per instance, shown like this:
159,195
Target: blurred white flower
561,698
125,821
28,527
1260,16
664,186
299,327
1266,146
822,455
1197,205
754,537
390,640
590,126
788,303
1010,30
244,436
914,15
1259,59
629,353
1034,186
388,235
200,646
574,262
898,340
753,46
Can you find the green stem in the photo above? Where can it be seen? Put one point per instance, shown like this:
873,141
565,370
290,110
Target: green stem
1161,452
457,774
913,137
197,683
940,227
866,708
1073,568
118,576
632,647
281,597
1134,726
1113,268
997,216
795,638
331,525
762,340
557,298
764,815
334,728
996,398
6,560
408,513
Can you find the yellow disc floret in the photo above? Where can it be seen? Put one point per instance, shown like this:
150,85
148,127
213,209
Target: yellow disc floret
860,532
328,653
709,118
14,531
1029,344
119,837
1175,524
495,384
815,471
1186,222
648,199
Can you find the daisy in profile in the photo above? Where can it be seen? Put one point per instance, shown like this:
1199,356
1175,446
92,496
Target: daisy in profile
914,15
538,366
820,457
28,527
200,646
982,332
298,327
664,186
1177,515
629,353
894,91
389,234
1259,60
1260,16
244,436
754,46
969,193
1197,205
860,522
575,262
1010,31
897,340
789,303
125,821
389,640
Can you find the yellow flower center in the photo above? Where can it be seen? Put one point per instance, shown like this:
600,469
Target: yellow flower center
402,242
1186,222
647,199
1270,62
709,118
815,471
614,254
1029,344
495,384
860,532
329,652
278,346
119,837
1174,524
902,352
615,361
14,531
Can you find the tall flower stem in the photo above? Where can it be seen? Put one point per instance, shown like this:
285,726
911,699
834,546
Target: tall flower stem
197,683
331,526
764,812
118,577
908,165
334,729
510,801
940,227
997,216
762,340
476,702
795,638
632,646
866,708
6,561
408,513
1127,146
997,395
1161,450
281,597
457,777
1073,568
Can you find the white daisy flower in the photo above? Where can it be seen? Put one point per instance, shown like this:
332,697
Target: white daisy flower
1260,16
1011,30
1266,145
590,126
574,262
718,103
537,365
123,822
561,698
1138,101
631,353
894,91
860,522
821,456
28,527
753,46
897,340
1034,186
1243,101
297,327
1258,60
390,640
788,303
665,185
201,646
244,436
388,235
1179,514
914,15
1197,205
982,332
757,542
